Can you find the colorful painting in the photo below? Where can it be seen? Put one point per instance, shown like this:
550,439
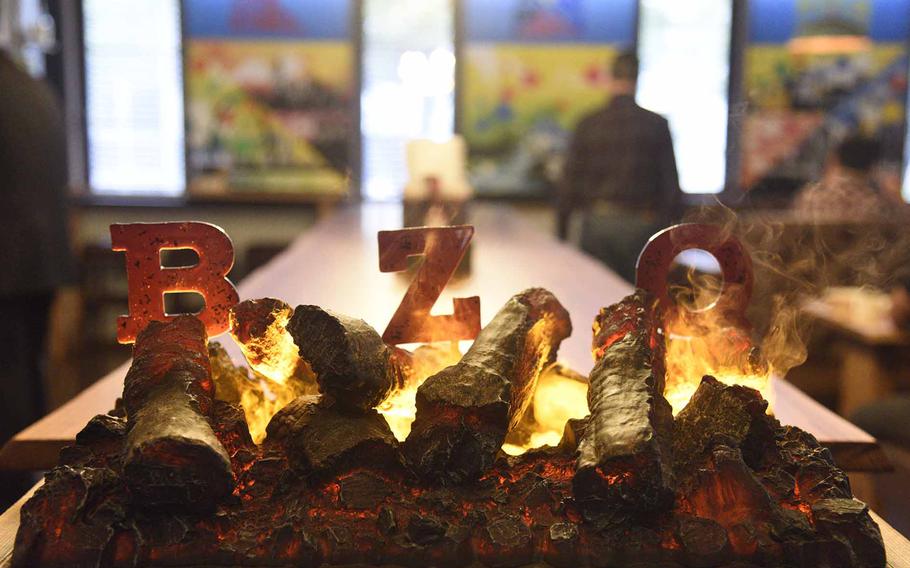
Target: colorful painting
532,69
816,71
269,95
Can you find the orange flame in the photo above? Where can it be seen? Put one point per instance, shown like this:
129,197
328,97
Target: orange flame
273,354
560,396
275,362
701,343
700,339
400,408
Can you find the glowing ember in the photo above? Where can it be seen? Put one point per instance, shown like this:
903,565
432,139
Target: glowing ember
560,396
400,408
271,353
260,329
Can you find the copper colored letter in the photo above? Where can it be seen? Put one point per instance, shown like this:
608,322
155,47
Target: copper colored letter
148,280
735,263
443,248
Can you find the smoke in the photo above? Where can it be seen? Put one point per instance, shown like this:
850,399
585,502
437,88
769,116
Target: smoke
794,261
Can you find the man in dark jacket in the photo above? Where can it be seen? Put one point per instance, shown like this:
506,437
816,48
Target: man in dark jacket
34,248
621,171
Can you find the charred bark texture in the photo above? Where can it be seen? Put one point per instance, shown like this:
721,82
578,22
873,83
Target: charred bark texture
352,364
718,413
328,489
625,455
172,458
465,411
322,439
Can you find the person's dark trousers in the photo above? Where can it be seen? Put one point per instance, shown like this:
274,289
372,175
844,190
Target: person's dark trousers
616,239
23,329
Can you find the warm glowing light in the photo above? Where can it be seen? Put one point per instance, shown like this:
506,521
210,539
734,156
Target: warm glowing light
829,44
400,408
264,398
699,344
281,376
274,353
560,396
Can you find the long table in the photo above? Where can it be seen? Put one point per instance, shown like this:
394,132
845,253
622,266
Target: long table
335,265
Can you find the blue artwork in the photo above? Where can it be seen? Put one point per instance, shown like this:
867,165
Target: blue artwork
777,21
311,20
550,21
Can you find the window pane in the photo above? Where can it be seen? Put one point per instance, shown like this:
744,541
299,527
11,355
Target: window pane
408,86
134,97
684,48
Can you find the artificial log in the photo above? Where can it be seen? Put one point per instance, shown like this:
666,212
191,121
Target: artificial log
718,413
625,456
321,439
774,489
351,362
327,489
465,410
172,457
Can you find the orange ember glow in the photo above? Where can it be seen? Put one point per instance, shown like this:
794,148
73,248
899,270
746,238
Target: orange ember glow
701,343
560,395
281,375
274,354
400,408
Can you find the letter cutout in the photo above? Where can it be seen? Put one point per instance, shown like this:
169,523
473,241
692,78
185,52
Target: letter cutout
442,248
654,262
148,280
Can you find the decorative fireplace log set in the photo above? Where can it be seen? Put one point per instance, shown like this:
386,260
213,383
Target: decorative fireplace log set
172,477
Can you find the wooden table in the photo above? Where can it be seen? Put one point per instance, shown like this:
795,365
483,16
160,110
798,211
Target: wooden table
335,265
872,349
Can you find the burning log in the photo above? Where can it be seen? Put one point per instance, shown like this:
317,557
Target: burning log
625,454
465,410
320,438
172,457
351,362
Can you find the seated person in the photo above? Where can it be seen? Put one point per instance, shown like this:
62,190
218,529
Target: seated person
847,191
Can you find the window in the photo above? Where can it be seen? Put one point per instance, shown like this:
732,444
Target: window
408,86
134,97
684,51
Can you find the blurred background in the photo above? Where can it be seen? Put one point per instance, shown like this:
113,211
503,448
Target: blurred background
265,116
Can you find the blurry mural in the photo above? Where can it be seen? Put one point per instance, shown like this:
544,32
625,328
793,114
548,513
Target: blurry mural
269,94
532,69
816,71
